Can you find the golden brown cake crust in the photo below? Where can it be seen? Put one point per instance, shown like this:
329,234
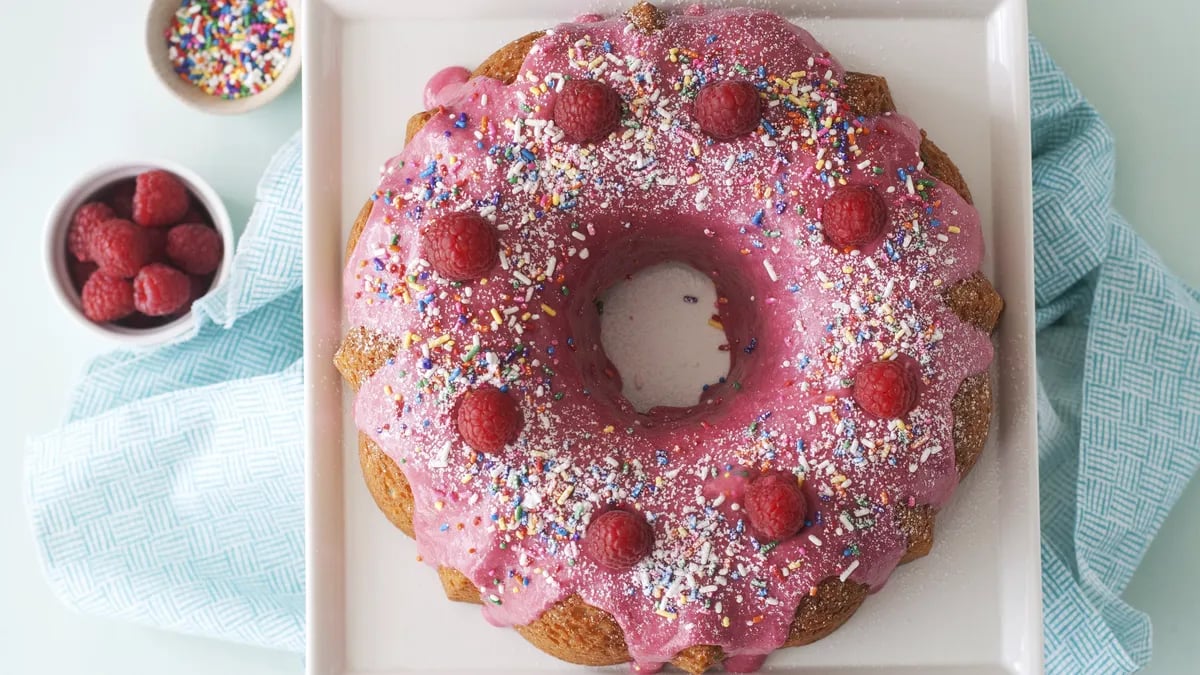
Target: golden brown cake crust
458,587
823,612
387,484
579,633
917,525
698,658
869,95
972,406
975,302
575,631
505,63
363,352
646,17
415,123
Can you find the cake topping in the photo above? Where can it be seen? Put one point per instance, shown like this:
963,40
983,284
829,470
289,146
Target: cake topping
444,84
460,246
587,111
488,419
775,505
728,109
521,509
887,389
854,216
618,539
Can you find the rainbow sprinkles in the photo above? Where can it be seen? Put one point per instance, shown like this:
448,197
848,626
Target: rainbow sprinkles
231,48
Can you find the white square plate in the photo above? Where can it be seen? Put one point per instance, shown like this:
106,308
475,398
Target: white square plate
957,67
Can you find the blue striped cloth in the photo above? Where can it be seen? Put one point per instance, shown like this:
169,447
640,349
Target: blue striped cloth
1118,386
173,496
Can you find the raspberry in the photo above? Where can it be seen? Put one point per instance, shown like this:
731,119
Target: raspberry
587,111
159,290
194,248
887,389
726,110
107,298
120,198
489,419
854,216
82,223
119,247
618,539
461,246
775,505
160,199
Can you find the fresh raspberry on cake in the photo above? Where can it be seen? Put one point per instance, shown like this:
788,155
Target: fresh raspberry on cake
82,223
886,389
107,298
853,216
587,111
618,539
160,290
489,419
119,247
775,505
194,248
160,199
461,246
726,110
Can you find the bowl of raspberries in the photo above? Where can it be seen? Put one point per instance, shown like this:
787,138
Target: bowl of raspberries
131,246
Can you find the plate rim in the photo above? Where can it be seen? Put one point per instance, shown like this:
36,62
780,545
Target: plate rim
324,553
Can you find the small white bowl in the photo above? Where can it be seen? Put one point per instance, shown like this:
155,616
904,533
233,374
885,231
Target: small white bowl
89,187
157,20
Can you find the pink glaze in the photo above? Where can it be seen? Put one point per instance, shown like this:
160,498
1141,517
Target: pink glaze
799,315
444,85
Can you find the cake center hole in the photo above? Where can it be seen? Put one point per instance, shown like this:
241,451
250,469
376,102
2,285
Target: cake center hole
657,329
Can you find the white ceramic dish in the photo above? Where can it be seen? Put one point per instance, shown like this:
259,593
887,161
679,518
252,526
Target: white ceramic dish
957,67
158,17
58,222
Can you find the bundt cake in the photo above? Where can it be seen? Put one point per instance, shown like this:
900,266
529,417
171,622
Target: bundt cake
846,255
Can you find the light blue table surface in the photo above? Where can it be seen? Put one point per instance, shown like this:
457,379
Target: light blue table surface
89,97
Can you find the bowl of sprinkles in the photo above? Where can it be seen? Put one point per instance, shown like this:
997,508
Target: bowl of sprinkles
224,56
